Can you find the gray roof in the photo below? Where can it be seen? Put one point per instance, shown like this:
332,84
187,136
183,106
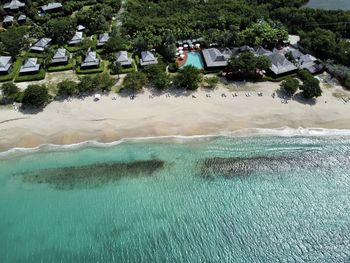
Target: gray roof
42,44
60,56
80,27
77,38
5,63
8,19
91,60
30,65
51,6
123,59
262,51
22,17
280,64
214,58
147,58
102,39
13,5
296,53
310,63
246,48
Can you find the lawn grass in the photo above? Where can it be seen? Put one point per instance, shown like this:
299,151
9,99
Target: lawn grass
39,76
100,69
69,66
73,48
15,68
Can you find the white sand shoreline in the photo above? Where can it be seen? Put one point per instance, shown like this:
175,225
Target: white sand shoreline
64,123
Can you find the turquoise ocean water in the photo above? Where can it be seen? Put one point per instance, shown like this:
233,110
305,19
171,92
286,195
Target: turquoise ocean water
261,198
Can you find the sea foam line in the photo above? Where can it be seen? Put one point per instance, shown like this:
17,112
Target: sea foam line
247,132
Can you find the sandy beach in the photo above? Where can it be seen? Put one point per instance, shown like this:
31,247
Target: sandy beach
107,120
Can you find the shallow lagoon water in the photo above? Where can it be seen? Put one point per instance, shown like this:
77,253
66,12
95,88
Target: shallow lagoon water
219,199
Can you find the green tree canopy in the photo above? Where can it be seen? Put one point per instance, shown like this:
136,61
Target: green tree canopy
67,88
135,81
311,86
14,40
157,76
35,96
290,85
248,63
265,33
9,90
189,78
60,29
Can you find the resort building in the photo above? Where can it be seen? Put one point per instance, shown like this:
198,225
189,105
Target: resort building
22,19
76,39
60,57
147,58
123,59
41,45
91,60
14,5
7,21
310,63
50,7
102,39
280,65
262,51
80,27
5,64
214,58
30,66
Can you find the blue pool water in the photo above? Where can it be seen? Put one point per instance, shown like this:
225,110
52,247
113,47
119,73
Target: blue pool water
194,59
221,199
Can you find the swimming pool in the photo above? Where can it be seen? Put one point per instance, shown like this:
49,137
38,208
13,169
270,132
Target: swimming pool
194,59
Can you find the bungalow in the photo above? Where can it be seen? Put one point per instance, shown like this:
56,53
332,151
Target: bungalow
147,58
60,57
280,65
22,19
260,51
76,39
91,60
30,66
102,39
80,28
41,45
50,7
214,58
7,21
5,64
123,59
14,5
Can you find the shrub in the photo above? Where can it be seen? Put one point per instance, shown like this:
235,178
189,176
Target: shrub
35,96
39,76
9,90
188,78
290,85
135,81
67,88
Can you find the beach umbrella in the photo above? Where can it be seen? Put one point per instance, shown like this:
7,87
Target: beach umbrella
97,96
177,53
191,46
180,48
181,52
185,46
198,45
